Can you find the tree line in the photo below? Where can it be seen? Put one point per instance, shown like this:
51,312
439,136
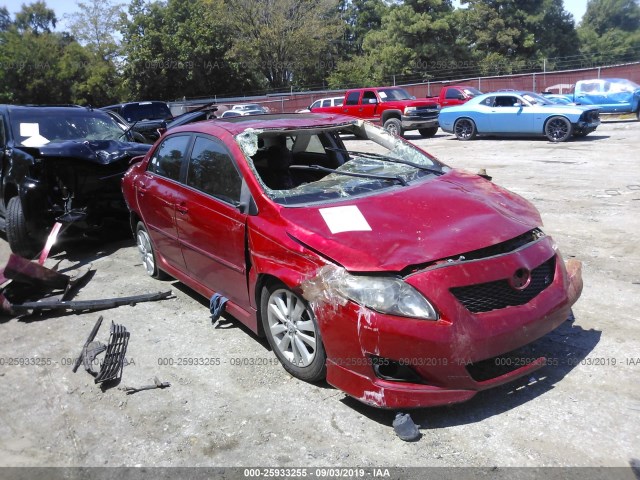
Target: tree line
172,49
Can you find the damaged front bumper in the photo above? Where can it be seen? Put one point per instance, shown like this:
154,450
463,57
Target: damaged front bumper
396,362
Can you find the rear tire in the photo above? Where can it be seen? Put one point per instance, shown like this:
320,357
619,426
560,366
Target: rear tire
20,241
394,126
428,132
147,253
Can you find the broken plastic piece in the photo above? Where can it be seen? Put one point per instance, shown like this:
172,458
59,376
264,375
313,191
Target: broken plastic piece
84,305
111,368
157,384
51,240
90,353
22,270
216,306
405,428
483,173
92,335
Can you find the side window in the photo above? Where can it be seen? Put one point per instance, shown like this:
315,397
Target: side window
315,145
315,104
505,101
353,97
326,103
488,102
452,93
212,171
167,159
369,97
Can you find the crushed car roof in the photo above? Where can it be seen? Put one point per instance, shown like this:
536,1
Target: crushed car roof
236,125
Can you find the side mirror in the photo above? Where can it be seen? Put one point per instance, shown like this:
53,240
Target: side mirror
461,96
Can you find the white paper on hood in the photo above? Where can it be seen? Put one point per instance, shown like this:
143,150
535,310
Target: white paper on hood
29,129
345,219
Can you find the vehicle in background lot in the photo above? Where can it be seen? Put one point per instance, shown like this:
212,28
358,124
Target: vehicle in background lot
126,126
323,102
205,112
59,164
240,113
452,95
518,113
611,95
246,107
557,98
395,277
391,107
146,117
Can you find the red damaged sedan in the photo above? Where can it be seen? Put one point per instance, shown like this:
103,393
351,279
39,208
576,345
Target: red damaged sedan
389,274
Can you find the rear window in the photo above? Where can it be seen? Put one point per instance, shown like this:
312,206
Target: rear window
136,112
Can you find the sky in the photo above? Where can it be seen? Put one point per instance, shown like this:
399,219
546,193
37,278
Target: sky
62,7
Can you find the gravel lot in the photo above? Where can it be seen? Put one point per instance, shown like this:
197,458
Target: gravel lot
244,410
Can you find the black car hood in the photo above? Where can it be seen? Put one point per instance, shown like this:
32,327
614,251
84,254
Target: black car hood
102,152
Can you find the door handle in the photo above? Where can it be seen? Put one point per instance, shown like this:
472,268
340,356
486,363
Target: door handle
182,208
142,188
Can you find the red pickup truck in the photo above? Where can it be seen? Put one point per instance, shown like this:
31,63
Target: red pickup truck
391,107
456,95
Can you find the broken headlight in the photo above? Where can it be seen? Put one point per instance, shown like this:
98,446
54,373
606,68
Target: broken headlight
386,295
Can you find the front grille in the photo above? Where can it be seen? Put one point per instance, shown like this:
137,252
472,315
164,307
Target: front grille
485,297
426,112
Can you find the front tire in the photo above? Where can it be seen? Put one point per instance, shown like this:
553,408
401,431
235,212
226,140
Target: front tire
428,132
394,126
20,240
558,129
464,129
147,254
292,331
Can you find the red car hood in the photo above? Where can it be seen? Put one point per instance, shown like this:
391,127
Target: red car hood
449,215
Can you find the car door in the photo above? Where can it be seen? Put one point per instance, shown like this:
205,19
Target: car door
211,227
157,191
452,97
510,114
352,103
368,108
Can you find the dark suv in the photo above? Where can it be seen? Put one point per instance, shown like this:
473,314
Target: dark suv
146,117
60,164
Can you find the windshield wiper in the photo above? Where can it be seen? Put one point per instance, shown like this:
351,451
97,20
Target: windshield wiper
124,134
318,168
385,158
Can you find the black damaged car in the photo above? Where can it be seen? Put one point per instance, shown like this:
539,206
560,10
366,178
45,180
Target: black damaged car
60,164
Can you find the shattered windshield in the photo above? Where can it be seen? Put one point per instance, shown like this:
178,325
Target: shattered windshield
314,165
33,127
